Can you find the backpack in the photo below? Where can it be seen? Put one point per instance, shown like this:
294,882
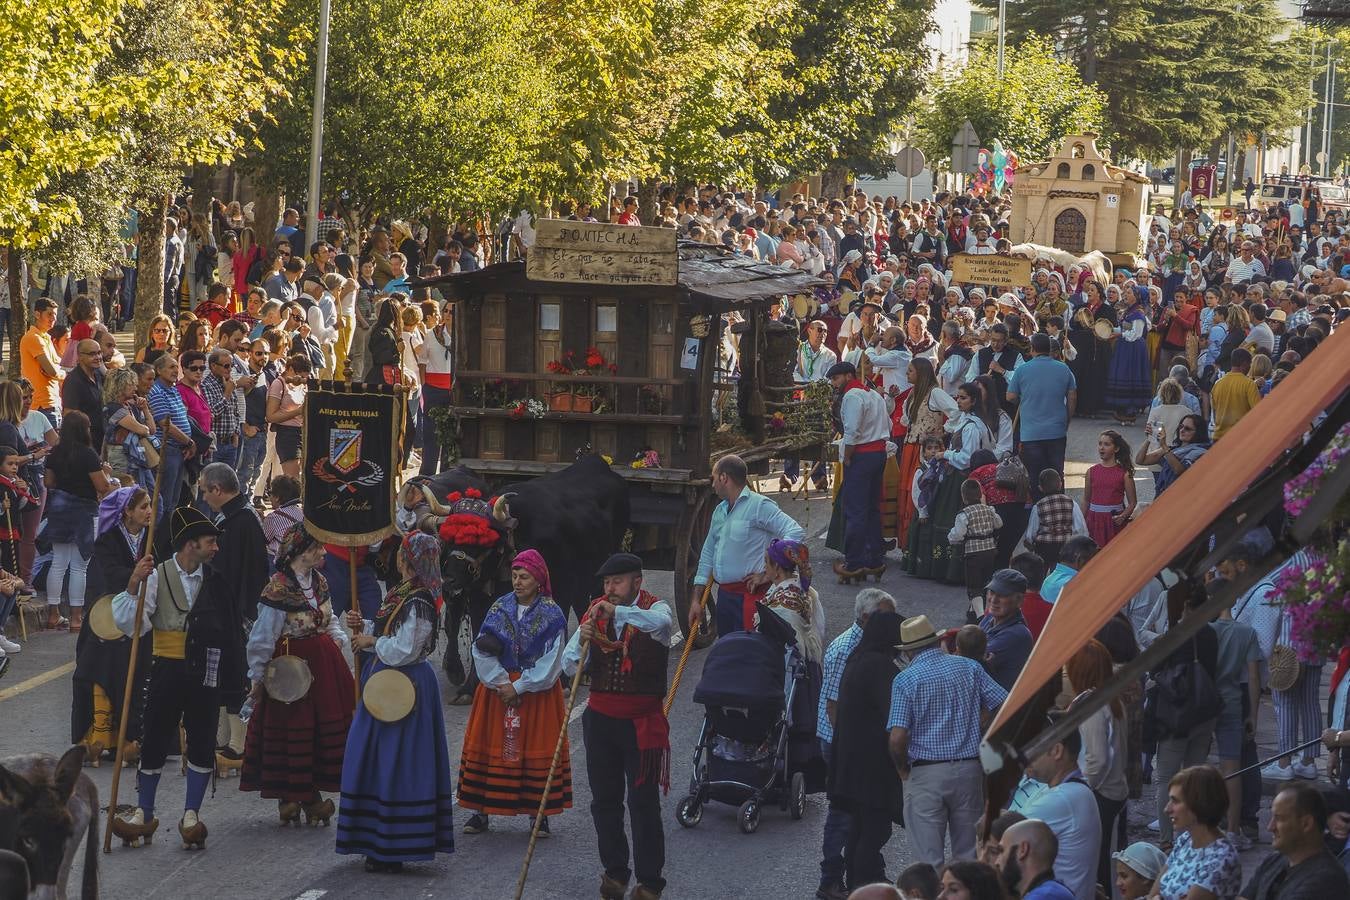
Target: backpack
1183,695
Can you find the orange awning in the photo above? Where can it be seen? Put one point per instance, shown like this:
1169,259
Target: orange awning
1182,514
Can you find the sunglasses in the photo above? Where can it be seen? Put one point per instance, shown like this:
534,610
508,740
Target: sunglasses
295,317
196,368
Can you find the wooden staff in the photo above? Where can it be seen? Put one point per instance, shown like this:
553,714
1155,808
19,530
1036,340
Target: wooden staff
13,545
553,767
147,547
684,654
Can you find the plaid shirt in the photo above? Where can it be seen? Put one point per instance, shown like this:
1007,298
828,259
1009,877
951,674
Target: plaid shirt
1054,518
277,521
227,412
981,522
939,698
832,673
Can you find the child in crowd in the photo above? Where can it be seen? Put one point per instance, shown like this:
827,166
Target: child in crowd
14,498
1137,868
929,475
919,882
975,527
1108,496
1035,609
1054,519
972,643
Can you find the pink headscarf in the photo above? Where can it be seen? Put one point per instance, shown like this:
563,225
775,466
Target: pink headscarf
532,562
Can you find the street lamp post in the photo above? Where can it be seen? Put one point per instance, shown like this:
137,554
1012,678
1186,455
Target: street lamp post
316,126
1002,18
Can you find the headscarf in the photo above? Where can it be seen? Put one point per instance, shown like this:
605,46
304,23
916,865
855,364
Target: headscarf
792,555
112,507
423,553
294,541
531,561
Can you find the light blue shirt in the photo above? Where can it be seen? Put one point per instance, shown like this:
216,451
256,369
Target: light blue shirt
739,536
832,673
1042,385
1054,583
939,698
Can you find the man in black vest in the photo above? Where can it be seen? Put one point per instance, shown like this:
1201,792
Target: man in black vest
628,632
998,361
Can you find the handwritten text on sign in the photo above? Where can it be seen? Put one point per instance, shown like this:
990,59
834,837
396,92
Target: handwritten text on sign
600,253
990,268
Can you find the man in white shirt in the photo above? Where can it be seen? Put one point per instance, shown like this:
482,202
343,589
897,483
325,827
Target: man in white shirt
1069,807
321,314
814,359
1261,335
866,429
891,361
1245,266
436,384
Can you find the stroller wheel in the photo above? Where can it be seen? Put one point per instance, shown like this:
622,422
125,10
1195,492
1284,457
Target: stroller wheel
689,812
797,795
748,817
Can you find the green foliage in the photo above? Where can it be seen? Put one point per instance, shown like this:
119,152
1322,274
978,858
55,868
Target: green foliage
1040,100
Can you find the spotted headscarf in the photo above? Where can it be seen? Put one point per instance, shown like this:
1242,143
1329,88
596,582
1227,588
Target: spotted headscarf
294,541
423,553
792,555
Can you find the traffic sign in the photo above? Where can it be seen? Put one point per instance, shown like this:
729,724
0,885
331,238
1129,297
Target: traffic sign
909,161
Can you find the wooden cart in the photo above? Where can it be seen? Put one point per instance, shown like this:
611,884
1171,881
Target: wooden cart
656,389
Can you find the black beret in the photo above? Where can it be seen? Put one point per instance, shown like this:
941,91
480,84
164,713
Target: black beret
841,368
621,564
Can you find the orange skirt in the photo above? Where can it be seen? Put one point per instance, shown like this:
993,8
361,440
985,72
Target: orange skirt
910,455
490,784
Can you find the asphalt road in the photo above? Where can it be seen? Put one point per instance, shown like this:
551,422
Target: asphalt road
249,856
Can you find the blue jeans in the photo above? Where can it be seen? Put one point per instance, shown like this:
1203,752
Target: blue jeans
861,503
1040,455
432,397
338,573
837,825
7,602
792,468
251,454
171,481
229,455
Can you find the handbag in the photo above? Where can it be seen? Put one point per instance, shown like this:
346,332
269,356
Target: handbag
1183,696
1283,663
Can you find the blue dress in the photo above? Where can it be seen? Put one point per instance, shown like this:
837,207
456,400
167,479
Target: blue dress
1129,380
397,793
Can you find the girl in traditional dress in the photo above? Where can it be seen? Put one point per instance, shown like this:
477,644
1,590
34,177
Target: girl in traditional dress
1129,380
1108,494
100,665
397,803
518,708
924,412
294,750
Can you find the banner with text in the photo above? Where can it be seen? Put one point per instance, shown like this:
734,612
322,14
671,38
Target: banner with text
991,268
351,455
601,253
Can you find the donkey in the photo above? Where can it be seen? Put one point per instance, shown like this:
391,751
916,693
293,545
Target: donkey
51,801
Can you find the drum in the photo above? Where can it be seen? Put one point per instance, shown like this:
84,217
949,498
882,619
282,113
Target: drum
1102,328
389,695
100,619
287,678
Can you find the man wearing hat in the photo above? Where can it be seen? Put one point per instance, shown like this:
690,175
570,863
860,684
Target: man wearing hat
628,633
937,705
197,664
1007,633
866,428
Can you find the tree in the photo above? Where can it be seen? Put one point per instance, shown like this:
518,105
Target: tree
1039,101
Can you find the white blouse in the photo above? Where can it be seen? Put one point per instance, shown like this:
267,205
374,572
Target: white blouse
271,622
405,645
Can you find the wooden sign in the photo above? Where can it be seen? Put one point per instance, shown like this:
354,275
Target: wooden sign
601,253
991,268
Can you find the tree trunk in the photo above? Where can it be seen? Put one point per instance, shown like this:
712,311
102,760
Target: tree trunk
149,268
833,181
18,310
1240,172
267,211
649,206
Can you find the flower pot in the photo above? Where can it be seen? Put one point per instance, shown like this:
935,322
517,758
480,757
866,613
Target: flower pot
581,403
562,401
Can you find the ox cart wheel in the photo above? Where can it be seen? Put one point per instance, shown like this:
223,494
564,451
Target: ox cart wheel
689,535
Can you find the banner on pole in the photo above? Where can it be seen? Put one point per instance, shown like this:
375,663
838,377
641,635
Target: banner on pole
349,462
991,268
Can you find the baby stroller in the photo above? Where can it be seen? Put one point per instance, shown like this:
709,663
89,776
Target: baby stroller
757,744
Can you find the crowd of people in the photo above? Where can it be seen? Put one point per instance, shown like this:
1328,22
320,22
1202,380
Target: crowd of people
952,400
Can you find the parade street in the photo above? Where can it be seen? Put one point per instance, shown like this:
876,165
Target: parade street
249,855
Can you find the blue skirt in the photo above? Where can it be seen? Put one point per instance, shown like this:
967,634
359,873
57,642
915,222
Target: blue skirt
397,802
1129,380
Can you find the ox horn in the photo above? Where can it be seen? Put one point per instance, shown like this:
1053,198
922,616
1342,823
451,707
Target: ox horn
501,508
437,507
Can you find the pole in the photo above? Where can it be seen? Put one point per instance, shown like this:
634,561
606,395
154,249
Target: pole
316,127
1265,762
1326,109
553,766
1312,86
148,547
1331,116
356,660
909,188
1228,170
1002,18
688,645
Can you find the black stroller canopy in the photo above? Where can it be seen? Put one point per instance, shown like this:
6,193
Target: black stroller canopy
743,669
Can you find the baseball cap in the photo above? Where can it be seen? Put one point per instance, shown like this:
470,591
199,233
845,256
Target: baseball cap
1007,581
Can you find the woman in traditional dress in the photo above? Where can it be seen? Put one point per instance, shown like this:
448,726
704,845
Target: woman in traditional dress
101,666
397,794
294,750
1129,380
1093,355
925,410
787,565
928,554
518,707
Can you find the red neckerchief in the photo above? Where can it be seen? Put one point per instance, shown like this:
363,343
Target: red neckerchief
644,600
1342,666
18,486
855,383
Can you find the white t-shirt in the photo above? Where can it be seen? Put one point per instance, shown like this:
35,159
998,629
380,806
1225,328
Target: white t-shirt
1070,809
34,428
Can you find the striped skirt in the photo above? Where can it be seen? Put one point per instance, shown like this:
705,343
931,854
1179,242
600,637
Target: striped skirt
490,784
397,803
294,750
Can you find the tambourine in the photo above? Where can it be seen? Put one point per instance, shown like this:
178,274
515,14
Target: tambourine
1102,328
389,695
287,678
801,306
100,620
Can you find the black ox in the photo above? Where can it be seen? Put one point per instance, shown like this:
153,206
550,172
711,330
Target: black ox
575,518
